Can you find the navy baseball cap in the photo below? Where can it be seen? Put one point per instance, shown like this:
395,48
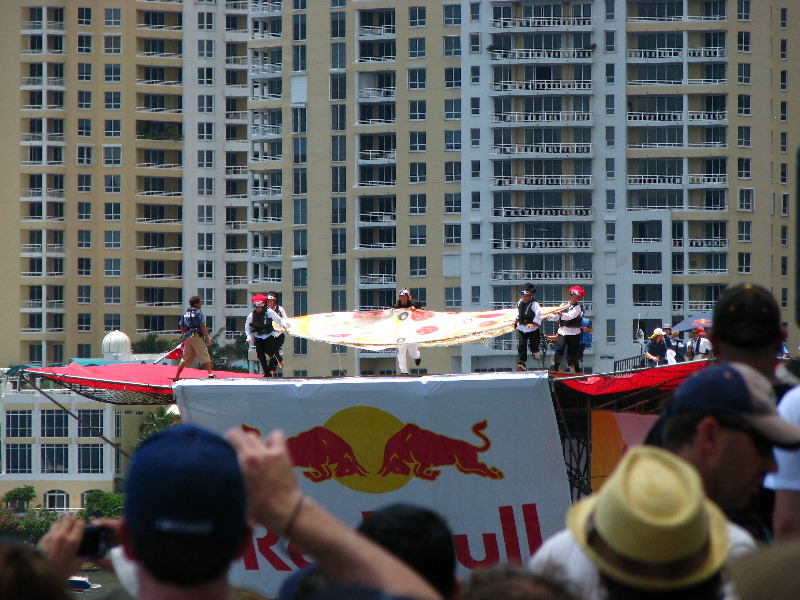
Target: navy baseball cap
185,480
736,388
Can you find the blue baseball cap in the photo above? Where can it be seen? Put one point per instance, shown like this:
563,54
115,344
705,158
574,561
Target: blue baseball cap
185,480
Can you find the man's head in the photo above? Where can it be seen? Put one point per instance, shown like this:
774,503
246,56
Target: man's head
658,334
185,506
404,296
272,299
667,327
723,421
195,301
419,537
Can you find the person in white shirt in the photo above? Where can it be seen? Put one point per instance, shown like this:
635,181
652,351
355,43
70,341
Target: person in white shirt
569,331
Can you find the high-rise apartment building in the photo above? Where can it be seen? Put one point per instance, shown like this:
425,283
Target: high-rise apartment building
337,150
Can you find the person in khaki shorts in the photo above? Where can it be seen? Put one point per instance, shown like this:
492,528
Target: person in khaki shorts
193,328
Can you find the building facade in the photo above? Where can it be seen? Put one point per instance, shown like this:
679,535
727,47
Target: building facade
335,151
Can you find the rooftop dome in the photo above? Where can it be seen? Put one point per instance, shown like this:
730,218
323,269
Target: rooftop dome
116,342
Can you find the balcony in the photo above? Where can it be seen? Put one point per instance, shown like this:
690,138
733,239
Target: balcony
534,149
376,32
376,183
540,243
655,179
378,279
542,117
162,82
706,179
151,27
377,93
377,156
159,249
646,240
161,193
236,115
540,22
274,252
528,54
152,165
542,85
677,18
654,53
236,280
260,132
235,226
151,304
543,180
265,71
707,116
554,211
266,192
377,217
707,271
709,243
150,221
708,52
160,276
521,275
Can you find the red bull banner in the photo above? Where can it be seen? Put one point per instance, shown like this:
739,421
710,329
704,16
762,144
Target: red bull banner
482,450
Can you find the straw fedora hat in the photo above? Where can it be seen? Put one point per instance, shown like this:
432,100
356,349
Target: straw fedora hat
651,527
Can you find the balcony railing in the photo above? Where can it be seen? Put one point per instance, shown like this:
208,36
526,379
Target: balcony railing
655,179
537,22
720,243
541,149
541,117
378,279
542,180
267,252
377,155
377,93
655,52
540,53
676,18
266,192
540,275
561,85
377,217
555,211
529,243
707,178
376,31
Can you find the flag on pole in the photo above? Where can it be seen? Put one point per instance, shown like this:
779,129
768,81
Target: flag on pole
173,354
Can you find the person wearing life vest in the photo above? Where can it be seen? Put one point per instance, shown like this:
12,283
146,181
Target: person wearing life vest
528,321
258,327
193,329
569,330
404,301
276,360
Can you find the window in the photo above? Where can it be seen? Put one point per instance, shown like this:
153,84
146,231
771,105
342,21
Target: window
300,345
610,77
452,203
90,422
84,294
610,41
784,81
112,211
205,159
451,45
417,204
452,14
611,294
452,297
300,212
784,173
338,240
416,48
744,168
112,321
452,172
84,16
418,235
113,73
611,331
85,155
784,235
474,43
84,238
609,104
416,79
338,210
300,120
744,266
55,458
205,213
112,44
785,205
338,149
84,266
417,141
19,423
745,231
338,55
743,10
743,41
784,50
54,423
113,128
611,199
452,234
338,304
205,48
205,242
475,169
743,105
784,111
113,100
205,186
417,172
338,83
84,182
84,127
84,71
18,458
452,77
746,199
452,139
475,12
418,266
112,239
416,16
84,99
205,131
611,229
205,76
205,103
205,20
743,136
744,73
112,184
112,294
337,25
338,271
417,110
84,44
113,17
300,246
112,267
474,106
475,137
112,156
205,269
338,179
90,458
784,266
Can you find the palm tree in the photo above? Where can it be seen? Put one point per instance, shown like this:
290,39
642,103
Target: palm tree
222,355
152,344
155,421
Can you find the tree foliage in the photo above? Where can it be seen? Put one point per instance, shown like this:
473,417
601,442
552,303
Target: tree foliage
19,497
36,522
155,421
100,504
153,344
224,355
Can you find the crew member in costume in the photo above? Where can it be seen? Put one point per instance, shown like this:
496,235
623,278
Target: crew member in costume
259,328
276,360
528,321
569,330
405,301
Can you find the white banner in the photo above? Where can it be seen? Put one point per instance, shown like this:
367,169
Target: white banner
482,450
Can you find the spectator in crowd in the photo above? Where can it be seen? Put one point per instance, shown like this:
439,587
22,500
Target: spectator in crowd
655,350
698,347
514,583
723,422
585,340
675,343
650,532
189,497
27,575
771,573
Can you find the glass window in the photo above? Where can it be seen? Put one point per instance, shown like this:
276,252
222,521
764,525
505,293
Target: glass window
84,15
19,423
418,266
417,110
112,294
112,44
84,44
744,263
452,234
113,239
452,77
113,17
417,79
18,458
417,141
417,204
418,235
416,48
90,458
113,73
452,108
55,458
452,203
84,294
54,423
451,45
452,139
416,16
452,297
417,172
112,267
338,271
84,71
452,14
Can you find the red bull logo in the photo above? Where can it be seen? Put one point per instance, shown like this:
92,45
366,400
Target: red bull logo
371,451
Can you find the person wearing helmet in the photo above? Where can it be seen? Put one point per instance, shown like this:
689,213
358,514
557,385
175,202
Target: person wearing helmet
259,329
569,330
528,321
276,359
404,301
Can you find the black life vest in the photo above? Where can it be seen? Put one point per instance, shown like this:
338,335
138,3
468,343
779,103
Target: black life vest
261,324
526,313
191,321
574,322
